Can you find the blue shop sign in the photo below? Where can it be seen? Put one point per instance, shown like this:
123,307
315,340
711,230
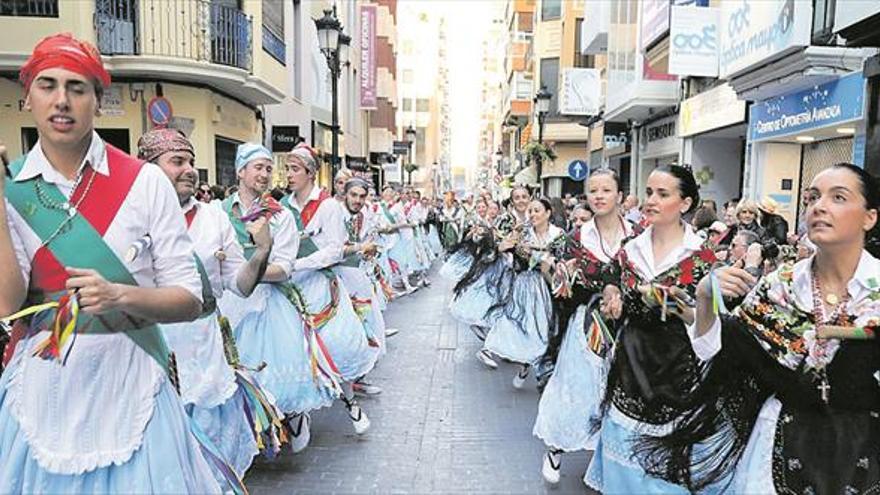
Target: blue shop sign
835,102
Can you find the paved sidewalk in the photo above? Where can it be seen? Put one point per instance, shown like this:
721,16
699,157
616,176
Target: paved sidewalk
444,423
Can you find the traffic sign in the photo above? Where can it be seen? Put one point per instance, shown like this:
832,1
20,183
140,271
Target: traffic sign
159,111
578,170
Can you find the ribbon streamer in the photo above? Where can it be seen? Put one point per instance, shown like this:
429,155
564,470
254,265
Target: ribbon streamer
599,337
62,328
264,207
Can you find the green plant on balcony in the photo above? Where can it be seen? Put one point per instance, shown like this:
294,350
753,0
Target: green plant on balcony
535,151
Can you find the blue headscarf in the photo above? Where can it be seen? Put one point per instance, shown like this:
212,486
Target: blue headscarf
248,152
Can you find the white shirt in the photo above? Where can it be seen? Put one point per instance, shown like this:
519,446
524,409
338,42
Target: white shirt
592,240
326,229
640,252
399,214
285,236
211,232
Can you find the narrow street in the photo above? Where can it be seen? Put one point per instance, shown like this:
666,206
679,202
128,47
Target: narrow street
444,423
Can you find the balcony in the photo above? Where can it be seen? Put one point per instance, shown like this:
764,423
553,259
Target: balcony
193,29
519,51
196,41
518,99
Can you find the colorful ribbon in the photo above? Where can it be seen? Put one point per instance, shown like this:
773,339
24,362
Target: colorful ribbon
324,370
718,306
264,207
61,330
264,417
599,337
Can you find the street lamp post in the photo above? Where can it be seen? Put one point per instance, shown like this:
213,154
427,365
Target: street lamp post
542,107
334,45
410,134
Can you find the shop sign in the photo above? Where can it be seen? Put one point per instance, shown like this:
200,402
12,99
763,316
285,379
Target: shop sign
368,73
752,31
581,92
616,144
111,102
693,41
400,147
655,20
662,131
709,110
659,139
836,102
284,138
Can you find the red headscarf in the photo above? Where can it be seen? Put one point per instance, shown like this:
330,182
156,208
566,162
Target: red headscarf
65,52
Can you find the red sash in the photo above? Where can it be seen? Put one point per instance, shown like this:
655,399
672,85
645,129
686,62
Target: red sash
190,215
312,206
99,208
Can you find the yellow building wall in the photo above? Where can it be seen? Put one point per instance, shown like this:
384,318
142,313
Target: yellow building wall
213,115
265,66
565,153
20,34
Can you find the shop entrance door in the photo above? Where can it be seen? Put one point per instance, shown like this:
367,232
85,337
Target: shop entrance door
816,157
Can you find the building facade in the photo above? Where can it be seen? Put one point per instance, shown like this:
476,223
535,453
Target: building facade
213,65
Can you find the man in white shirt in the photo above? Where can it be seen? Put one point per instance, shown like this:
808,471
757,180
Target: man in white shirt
71,244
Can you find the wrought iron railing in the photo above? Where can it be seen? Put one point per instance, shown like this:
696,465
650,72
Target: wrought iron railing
199,30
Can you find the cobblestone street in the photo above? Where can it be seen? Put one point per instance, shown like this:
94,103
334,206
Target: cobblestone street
444,423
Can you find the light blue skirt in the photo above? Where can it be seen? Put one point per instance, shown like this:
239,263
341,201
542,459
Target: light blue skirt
456,266
228,429
271,333
573,394
404,254
470,307
434,240
519,330
613,469
168,461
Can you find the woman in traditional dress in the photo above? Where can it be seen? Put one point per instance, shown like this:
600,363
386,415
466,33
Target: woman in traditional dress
653,366
522,316
461,256
451,215
433,222
791,399
577,382
471,296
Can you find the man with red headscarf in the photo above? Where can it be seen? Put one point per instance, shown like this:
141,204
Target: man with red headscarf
88,401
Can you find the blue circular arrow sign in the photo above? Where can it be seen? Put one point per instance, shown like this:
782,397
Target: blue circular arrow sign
578,170
159,111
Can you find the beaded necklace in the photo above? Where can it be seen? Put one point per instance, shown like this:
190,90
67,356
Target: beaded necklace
70,209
